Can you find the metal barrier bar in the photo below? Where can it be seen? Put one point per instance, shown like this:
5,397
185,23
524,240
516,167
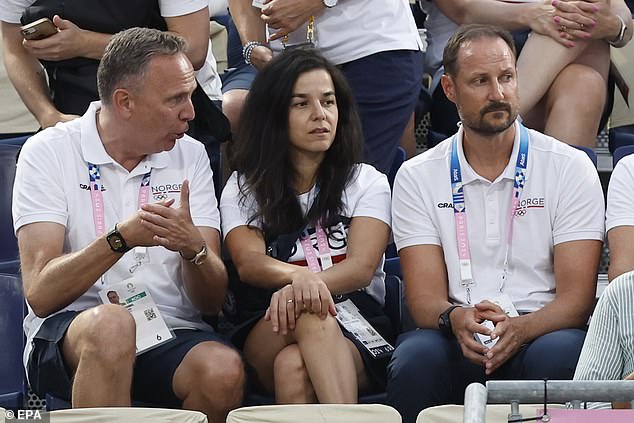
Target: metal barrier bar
533,391
559,391
475,402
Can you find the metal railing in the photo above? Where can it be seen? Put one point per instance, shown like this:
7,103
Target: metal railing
477,396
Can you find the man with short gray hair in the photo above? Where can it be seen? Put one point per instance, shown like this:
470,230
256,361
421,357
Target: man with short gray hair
122,200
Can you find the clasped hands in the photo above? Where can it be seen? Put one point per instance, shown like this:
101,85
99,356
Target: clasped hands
161,224
466,322
307,293
568,20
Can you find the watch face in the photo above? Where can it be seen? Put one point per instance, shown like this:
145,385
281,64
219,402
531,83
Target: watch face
330,3
116,242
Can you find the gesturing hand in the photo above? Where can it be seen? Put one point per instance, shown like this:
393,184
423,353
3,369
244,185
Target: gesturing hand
172,226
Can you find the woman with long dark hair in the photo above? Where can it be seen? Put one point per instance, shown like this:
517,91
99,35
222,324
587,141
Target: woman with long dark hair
297,176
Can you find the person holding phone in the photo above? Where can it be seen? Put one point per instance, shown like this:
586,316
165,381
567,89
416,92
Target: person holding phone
69,57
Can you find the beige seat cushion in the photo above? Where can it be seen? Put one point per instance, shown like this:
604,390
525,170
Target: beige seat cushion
497,413
127,415
315,413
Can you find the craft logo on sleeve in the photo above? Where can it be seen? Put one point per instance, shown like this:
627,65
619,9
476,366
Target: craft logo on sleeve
27,416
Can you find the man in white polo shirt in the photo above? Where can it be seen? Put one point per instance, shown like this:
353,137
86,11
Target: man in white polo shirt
499,230
121,200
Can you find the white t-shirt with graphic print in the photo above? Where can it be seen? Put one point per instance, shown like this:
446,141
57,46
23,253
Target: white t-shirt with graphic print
367,195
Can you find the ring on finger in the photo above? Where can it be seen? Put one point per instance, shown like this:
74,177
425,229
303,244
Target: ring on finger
581,26
290,300
563,28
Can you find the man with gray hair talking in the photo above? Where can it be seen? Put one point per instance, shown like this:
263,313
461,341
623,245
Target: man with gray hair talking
122,200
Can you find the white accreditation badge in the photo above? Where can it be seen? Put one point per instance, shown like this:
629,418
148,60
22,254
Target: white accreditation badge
506,304
349,317
151,329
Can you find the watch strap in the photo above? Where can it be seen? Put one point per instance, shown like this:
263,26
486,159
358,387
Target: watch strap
618,41
444,322
198,257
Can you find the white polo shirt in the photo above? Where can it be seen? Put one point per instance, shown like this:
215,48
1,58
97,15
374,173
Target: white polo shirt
52,185
620,200
367,195
562,201
358,28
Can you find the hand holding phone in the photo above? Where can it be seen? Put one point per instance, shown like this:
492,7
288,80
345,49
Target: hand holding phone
39,29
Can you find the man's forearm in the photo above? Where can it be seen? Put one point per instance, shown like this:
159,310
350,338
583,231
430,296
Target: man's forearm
562,313
509,16
64,279
248,22
206,284
27,75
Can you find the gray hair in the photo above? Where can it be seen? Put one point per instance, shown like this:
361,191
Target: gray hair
127,56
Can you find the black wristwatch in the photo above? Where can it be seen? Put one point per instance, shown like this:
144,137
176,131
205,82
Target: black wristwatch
444,323
116,241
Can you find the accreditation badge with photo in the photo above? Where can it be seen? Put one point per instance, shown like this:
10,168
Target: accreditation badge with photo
132,293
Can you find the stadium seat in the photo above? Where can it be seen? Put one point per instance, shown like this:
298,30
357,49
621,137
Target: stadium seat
392,266
620,137
126,415
497,413
621,152
15,140
399,158
316,413
589,151
12,310
9,257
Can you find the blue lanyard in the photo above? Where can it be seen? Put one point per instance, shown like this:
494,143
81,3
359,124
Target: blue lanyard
460,215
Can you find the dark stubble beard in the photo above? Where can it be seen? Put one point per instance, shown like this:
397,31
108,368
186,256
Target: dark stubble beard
485,128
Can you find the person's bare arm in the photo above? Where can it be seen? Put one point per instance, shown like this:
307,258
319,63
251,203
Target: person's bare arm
29,78
576,264
194,27
287,15
69,42
174,229
52,279
621,250
425,276
536,16
251,27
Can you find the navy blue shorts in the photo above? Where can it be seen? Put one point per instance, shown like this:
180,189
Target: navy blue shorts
386,87
153,370
239,78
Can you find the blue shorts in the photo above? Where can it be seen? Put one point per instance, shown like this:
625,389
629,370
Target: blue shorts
386,87
153,370
239,78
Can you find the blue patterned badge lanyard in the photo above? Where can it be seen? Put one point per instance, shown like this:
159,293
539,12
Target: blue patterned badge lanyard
460,215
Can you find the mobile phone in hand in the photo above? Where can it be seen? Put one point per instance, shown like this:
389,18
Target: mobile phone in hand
39,29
